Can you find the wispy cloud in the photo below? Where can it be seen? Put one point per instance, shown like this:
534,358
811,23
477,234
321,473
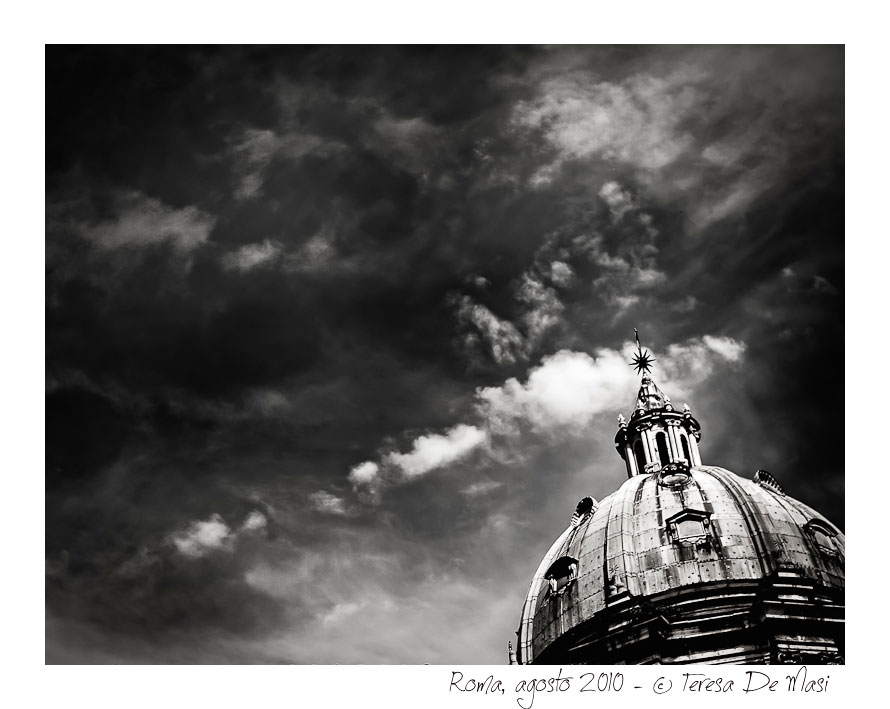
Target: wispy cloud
433,451
558,400
561,395
620,201
257,148
640,120
145,221
500,338
327,503
203,537
481,488
251,256
544,308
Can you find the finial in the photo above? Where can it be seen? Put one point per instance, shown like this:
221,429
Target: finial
622,422
642,360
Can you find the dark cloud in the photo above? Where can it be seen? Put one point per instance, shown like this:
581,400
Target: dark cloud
268,267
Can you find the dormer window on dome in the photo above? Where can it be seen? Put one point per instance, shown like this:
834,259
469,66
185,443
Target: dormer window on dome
824,536
561,574
657,435
691,527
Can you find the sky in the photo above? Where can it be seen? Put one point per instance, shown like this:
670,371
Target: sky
336,337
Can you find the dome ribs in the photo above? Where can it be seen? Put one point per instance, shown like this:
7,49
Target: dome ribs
752,586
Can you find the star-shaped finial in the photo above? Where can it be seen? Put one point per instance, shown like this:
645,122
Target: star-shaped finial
642,360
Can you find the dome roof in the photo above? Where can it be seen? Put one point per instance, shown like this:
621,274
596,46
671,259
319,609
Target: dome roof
677,547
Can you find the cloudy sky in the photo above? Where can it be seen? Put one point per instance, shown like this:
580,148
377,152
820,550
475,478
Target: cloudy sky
336,337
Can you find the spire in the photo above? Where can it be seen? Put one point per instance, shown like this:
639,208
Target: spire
642,361
656,435
650,397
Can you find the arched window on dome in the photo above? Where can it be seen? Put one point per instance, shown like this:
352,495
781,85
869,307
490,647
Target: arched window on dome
640,456
662,443
824,536
685,443
561,574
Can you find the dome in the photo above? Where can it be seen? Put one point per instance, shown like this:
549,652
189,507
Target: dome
675,560
686,562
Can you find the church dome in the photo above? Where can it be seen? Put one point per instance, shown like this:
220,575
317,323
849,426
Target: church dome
686,563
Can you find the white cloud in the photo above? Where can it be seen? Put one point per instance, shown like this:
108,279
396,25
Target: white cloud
620,201
622,302
251,256
319,252
202,537
545,307
364,473
436,451
480,488
687,364
327,503
646,277
145,221
558,399
561,394
254,522
638,121
561,274
731,350
541,312
504,342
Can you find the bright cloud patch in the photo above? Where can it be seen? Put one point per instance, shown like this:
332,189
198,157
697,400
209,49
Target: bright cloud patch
251,256
254,522
619,200
144,221
327,503
559,398
691,362
544,307
564,392
202,537
435,450
639,121
568,389
561,274
205,536
481,488
504,342
364,473
731,350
